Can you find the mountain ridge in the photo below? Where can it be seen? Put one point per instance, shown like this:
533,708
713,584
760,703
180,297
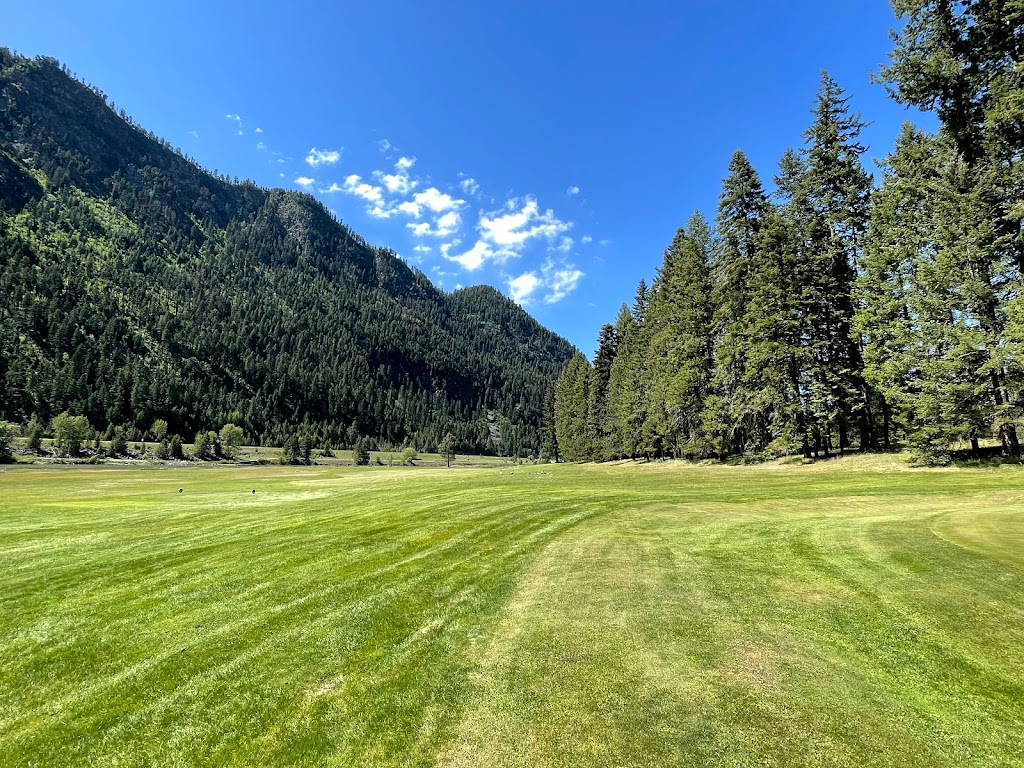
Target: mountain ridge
127,267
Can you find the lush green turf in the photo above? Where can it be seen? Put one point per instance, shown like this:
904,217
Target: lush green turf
855,613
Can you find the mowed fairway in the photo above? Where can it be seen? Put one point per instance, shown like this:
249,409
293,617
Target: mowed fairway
857,613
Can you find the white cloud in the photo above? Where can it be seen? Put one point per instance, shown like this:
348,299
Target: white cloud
332,189
236,118
261,146
512,230
384,145
354,185
258,130
560,281
505,234
448,223
437,201
380,212
586,240
469,186
305,181
410,208
565,244
422,248
194,134
473,258
421,229
572,191
239,132
521,287
318,157
397,183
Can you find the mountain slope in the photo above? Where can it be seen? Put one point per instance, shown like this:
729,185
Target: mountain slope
135,286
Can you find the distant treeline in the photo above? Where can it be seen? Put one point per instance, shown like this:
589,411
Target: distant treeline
833,314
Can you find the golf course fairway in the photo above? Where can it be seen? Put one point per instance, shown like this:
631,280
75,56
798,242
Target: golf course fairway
857,612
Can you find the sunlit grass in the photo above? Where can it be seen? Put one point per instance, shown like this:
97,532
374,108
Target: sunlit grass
852,613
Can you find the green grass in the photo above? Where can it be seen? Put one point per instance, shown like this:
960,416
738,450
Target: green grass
853,613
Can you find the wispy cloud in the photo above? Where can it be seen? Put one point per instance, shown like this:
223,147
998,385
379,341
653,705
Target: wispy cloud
305,182
504,234
469,186
560,280
354,185
384,145
194,134
521,288
236,118
399,182
586,240
258,130
572,191
555,281
318,157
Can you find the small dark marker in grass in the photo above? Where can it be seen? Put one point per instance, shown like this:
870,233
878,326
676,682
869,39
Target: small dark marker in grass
181,490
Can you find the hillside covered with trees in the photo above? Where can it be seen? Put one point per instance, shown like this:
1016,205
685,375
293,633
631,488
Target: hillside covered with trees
836,314
136,287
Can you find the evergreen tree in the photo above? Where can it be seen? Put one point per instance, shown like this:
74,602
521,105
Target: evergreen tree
572,421
549,436
830,208
119,443
776,422
598,412
34,435
360,453
627,400
447,448
961,58
680,344
6,438
741,210
175,448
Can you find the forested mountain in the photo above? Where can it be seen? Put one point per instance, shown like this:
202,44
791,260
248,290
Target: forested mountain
134,286
835,314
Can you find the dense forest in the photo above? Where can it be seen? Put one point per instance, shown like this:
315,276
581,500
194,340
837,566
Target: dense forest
137,288
835,314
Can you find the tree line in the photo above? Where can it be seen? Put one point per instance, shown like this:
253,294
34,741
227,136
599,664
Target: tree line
832,314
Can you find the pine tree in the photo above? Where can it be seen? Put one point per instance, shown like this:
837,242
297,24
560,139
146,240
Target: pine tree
572,422
829,205
628,381
741,210
900,232
549,437
680,344
774,354
598,411
961,58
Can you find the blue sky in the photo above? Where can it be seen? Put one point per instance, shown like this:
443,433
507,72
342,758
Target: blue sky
548,149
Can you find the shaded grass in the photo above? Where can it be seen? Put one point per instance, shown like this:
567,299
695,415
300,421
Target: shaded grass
855,613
